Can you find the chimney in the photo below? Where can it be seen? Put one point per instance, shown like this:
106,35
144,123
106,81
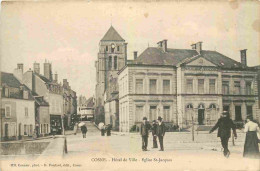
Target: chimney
18,72
159,44
243,57
36,67
20,67
125,53
164,45
47,70
65,83
135,55
197,46
56,77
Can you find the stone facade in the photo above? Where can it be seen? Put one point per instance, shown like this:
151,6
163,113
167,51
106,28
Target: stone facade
185,87
111,59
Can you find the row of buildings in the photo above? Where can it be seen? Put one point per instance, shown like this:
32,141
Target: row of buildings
180,85
35,103
86,108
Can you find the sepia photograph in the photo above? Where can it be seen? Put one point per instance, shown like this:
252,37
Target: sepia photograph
129,85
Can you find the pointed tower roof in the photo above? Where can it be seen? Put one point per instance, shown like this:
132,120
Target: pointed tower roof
112,35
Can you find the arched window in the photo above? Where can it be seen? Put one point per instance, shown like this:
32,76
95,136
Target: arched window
110,62
112,48
212,106
189,106
115,62
201,106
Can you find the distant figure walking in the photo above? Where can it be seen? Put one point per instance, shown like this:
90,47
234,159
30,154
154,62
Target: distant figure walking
108,129
144,131
251,148
103,130
154,133
84,130
161,132
224,125
75,128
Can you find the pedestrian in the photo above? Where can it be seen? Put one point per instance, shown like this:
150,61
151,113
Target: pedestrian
103,130
144,131
108,129
34,134
251,148
160,132
224,125
84,130
75,128
154,129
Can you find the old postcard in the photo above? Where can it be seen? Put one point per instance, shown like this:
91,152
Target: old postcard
129,85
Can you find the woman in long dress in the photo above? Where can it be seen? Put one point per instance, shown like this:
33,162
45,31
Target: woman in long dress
75,128
251,148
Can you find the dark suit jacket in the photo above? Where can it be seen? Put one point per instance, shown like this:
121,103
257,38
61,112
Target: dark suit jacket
144,131
154,129
84,129
161,129
224,126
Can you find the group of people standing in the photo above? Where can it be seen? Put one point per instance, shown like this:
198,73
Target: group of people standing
158,130
225,124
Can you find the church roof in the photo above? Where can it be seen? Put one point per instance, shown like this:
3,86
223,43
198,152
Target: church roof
112,35
173,57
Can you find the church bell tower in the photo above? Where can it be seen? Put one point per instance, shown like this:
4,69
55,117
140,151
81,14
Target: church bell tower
112,58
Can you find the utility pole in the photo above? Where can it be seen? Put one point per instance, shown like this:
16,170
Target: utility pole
233,140
192,132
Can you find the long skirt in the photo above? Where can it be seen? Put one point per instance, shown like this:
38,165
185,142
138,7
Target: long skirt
251,148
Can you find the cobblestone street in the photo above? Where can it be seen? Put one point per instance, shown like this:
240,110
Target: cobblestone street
202,154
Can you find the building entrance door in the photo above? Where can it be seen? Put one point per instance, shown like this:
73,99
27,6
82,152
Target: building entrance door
6,131
201,116
201,111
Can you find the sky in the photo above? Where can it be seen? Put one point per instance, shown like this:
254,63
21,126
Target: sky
67,33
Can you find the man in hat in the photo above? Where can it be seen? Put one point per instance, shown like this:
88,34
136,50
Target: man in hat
144,131
154,129
160,132
224,125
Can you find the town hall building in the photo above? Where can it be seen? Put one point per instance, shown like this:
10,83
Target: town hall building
184,86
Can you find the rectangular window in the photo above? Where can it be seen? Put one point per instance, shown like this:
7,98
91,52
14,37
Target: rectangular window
25,130
249,111
106,48
26,111
152,86
226,108
115,62
153,115
139,113
8,111
201,86
212,83
139,86
110,62
31,129
118,48
238,115
166,113
42,129
225,87
166,86
236,87
6,92
248,88
189,85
